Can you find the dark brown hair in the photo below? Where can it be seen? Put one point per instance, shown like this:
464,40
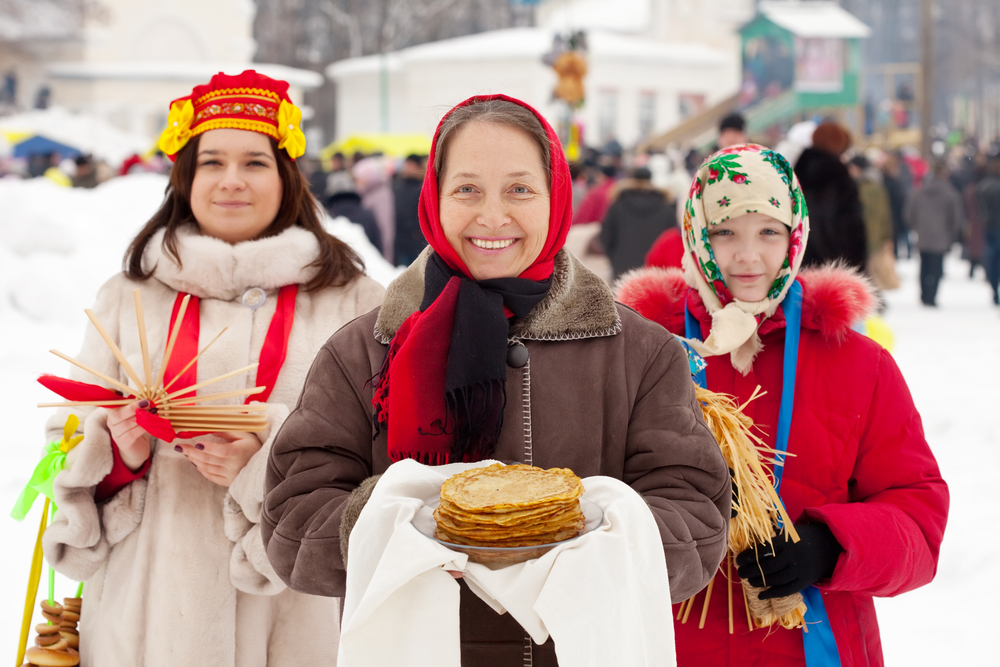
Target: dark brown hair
493,112
337,264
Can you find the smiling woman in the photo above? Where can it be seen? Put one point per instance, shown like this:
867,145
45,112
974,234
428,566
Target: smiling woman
495,213
166,533
236,191
496,343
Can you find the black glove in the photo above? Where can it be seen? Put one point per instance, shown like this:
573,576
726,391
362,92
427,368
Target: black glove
793,566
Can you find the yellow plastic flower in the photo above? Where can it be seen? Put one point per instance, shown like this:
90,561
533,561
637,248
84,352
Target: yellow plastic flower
178,130
290,130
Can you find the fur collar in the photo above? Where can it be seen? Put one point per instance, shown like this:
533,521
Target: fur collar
578,305
211,268
834,298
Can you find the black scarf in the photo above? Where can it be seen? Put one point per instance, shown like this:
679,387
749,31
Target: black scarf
475,384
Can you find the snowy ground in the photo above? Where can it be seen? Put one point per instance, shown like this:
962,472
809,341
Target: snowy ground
57,246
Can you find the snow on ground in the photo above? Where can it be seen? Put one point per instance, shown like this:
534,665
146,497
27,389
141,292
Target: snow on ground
58,245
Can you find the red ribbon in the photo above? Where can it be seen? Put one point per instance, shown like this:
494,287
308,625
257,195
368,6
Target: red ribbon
272,355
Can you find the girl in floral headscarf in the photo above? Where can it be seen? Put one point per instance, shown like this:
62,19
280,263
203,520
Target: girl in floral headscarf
859,481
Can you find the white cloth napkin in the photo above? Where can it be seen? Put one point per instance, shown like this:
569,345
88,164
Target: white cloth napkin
603,598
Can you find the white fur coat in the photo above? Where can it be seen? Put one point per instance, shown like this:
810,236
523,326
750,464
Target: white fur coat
174,565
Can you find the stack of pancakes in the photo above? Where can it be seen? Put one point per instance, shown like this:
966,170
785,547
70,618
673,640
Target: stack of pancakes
510,506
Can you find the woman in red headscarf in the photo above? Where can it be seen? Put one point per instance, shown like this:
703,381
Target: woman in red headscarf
495,344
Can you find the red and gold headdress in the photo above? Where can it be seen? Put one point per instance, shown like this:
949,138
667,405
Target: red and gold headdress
249,101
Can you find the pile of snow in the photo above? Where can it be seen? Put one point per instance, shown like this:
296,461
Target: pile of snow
85,132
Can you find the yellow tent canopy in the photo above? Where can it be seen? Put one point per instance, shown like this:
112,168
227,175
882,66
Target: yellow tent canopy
395,145
16,136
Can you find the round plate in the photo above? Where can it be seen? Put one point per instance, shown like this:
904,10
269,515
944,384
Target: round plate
424,522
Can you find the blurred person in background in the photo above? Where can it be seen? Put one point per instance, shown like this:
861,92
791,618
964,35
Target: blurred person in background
597,201
732,131
638,214
373,183
39,162
974,234
988,196
165,532
86,172
346,203
57,170
878,222
8,94
42,97
578,171
406,187
339,179
133,164
838,228
934,212
315,176
897,186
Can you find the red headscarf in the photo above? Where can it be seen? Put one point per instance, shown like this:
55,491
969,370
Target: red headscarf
560,201
441,391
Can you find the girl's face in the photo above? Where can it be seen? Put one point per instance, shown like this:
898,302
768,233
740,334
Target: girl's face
494,202
236,192
749,251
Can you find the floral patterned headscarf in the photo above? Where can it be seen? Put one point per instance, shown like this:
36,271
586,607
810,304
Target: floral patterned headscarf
733,182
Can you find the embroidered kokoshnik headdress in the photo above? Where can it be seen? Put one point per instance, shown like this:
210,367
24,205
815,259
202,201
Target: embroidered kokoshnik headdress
249,101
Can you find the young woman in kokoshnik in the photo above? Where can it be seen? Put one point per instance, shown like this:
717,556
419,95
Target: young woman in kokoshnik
859,482
532,332
166,535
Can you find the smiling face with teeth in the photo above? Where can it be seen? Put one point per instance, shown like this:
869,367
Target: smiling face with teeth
494,201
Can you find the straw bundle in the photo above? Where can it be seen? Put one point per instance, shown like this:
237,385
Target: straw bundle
173,405
759,509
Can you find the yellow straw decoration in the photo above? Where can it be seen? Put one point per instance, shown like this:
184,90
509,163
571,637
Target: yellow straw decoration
759,509
34,577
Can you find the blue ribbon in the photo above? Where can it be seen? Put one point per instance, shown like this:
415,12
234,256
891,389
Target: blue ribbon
819,643
692,330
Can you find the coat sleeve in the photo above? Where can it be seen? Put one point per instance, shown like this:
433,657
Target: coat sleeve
673,461
891,529
249,569
83,531
321,454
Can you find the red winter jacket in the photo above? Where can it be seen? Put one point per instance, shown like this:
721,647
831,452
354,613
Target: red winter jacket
861,465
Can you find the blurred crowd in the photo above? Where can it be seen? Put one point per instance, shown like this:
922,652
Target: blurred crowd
378,192
868,207
80,170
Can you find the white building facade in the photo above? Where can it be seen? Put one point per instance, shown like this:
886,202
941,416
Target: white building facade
125,63
634,85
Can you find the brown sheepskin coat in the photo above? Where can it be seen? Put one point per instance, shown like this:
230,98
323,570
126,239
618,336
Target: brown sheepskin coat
605,392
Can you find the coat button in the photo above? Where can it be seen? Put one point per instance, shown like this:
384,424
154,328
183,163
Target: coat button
254,298
517,355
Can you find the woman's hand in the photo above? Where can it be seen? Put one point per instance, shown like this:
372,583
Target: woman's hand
132,440
221,457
